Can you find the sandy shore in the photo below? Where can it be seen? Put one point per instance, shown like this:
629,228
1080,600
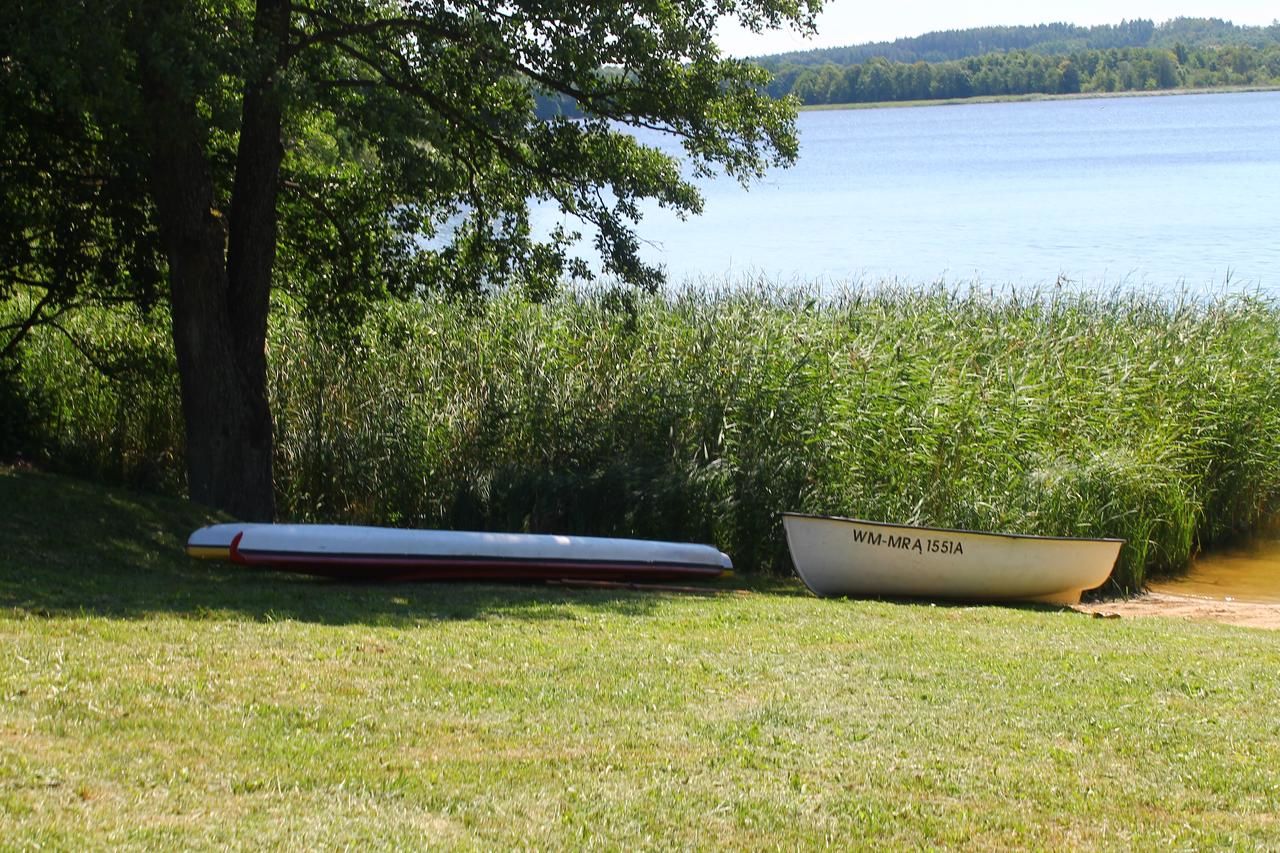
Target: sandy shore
1246,613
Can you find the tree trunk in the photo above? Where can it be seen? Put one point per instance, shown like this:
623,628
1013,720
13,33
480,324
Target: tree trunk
224,400
220,276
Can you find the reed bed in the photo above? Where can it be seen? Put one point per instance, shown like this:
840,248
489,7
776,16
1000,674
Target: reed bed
702,414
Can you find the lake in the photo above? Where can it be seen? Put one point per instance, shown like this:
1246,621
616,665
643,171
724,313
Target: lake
1164,193
1247,571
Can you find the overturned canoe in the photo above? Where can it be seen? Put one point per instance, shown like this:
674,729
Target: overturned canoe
850,557
391,554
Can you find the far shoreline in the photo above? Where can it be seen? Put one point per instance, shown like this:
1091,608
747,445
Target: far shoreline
1038,96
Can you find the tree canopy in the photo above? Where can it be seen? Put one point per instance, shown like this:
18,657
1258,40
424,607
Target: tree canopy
202,153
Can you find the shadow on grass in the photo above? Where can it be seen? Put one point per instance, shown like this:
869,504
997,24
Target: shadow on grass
68,547
967,603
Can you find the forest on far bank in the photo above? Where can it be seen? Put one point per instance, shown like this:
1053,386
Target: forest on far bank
1023,72
1046,59
1048,39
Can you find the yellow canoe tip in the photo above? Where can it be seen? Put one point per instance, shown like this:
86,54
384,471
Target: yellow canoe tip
207,553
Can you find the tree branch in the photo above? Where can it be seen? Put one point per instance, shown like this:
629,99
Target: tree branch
35,318
345,29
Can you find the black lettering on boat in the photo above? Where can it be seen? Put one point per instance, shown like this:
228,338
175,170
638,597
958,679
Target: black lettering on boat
907,543
866,537
904,543
945,546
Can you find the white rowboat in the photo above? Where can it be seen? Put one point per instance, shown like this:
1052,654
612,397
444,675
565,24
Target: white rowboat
384,553
850,557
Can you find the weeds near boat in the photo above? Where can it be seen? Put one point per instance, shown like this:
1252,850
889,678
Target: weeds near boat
701,415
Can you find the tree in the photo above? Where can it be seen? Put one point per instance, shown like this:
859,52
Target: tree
1069,77
1165,69
71,228
876,82
224,132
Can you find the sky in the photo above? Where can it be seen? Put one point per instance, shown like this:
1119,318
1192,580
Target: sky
848,22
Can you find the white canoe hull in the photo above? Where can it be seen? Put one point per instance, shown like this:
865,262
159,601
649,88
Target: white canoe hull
384,553
851,557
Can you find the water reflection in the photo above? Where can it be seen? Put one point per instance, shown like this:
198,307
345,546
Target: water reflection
1248,572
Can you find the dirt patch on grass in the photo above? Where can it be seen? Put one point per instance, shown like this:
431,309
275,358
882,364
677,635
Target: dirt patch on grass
1246,613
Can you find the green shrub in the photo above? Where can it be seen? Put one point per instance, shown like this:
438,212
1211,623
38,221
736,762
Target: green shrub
701,414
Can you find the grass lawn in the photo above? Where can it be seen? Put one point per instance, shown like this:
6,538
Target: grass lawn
149,700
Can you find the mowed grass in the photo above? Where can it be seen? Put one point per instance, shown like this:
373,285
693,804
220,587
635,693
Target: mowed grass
149,700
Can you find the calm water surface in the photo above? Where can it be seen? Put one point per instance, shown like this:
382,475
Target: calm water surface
1166,193
1249,572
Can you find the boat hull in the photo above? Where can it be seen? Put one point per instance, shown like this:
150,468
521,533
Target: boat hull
851,557
390,554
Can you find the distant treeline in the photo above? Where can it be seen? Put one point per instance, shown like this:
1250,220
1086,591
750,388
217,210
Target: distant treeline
1048,39
1132,56
1023,72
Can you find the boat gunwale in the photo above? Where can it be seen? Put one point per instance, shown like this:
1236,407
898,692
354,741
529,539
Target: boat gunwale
306,527
998,535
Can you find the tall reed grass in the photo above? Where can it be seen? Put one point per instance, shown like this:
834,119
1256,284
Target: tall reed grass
703,414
